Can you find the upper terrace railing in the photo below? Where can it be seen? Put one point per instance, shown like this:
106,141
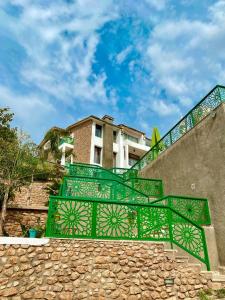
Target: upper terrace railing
211,101
93,171
153,188
195,209
125,173
73,218
67,140
100,189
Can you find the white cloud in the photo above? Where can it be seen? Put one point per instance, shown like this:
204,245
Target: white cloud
165,109
157,4
186,57
33,112
121,57
60,41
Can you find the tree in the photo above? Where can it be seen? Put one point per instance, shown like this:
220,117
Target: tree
19,161
53,137
154,142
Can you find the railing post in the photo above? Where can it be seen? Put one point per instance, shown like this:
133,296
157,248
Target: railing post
170,221
94,220
171,141
205,250
192,119
139,223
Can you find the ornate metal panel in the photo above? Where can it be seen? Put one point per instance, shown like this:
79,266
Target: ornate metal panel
69,218
116,221
154,223
91,188
99,219
84,170
189,237
195,209
153,188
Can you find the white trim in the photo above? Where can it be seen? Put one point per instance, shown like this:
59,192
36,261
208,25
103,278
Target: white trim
92,143
5,240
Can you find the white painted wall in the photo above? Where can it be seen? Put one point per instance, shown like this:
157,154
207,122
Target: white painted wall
118,147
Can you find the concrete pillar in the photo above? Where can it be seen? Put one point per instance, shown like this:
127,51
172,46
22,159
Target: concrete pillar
63,158
107,159
120,154
212,247
126,162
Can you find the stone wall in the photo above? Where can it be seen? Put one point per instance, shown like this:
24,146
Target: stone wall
34,195
195,166
86,269
28,217
29,205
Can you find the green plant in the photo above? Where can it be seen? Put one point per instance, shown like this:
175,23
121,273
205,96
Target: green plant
25,230
202,295
39,228
220,293
209,292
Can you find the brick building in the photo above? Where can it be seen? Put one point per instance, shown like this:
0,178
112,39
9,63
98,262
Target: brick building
99,141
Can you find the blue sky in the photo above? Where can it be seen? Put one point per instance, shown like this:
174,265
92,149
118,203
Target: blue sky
144,62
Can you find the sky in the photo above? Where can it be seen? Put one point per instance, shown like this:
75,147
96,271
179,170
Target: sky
145,62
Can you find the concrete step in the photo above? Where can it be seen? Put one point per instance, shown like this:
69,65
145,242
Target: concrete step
222,270
182,259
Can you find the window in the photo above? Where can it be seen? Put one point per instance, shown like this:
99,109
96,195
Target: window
114,159
114,136
147,143
131,138
97,155
133,159
98,130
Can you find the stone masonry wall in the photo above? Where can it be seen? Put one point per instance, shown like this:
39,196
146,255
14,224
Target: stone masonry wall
34,195
26,217
96,270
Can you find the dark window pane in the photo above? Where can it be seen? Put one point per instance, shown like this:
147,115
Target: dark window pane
97,155
98,130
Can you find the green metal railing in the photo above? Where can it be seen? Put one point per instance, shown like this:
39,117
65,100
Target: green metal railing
125,173
67,140
69,218
211,101
100,189
92,171
195,209
151,187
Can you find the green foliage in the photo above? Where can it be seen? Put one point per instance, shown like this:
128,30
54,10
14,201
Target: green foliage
53,136
39,228
220,293
25,230
20,162
202,295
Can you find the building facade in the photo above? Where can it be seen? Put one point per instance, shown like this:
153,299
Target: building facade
99,141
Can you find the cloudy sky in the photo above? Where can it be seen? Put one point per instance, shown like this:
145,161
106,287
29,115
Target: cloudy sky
145,62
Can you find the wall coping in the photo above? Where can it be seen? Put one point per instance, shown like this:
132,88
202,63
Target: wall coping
5,240
44,208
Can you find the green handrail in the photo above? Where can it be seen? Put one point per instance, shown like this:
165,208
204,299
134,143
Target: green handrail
100,189
124,172
151,187
92,171
70,218
193,208
67,140
211,101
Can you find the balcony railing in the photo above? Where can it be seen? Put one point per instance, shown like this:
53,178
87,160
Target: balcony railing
66,140
211,101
